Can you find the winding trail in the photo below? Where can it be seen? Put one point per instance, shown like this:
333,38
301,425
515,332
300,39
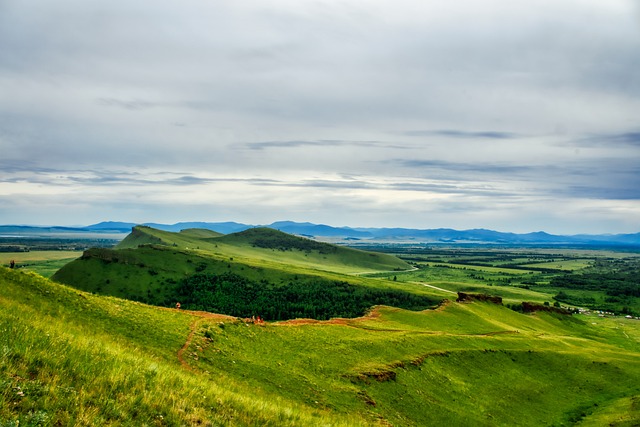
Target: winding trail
435,287
200,316
383,272
187,343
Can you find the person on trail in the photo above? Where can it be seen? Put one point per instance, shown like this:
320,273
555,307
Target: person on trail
177,306
12,264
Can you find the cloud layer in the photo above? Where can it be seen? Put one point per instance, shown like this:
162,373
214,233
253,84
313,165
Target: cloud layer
419,114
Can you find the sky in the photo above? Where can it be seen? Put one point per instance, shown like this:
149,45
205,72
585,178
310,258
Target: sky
513,116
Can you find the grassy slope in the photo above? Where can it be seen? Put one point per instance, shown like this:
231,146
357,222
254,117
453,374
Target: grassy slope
281,247
84,359
457,280
447,367
200,233
288,250
71,358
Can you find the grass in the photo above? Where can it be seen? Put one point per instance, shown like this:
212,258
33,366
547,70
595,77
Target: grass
45,263
434,367
68,357
80,359
249,247
623,412
570,264
465,280
74,358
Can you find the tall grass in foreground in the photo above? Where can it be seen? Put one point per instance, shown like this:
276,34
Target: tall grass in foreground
53,372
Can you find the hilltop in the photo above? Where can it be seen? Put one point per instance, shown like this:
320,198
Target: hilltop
267,245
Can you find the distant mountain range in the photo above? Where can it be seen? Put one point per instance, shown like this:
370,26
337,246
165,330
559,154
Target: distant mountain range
319,231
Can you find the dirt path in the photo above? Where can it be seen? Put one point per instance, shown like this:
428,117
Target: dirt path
187,343
373,314
435,287
384,272
200,316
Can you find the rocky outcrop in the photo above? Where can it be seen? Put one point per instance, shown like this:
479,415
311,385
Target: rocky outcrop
531,307
464,297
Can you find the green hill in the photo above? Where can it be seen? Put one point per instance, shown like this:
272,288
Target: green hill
233,275
144,235
267,246
200,233
273,245
74,358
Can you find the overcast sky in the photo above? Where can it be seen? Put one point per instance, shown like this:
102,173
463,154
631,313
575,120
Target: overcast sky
509,115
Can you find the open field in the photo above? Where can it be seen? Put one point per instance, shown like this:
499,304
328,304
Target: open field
45,263
571,264
599,280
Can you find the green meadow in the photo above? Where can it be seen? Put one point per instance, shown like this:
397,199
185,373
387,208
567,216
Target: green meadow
45,263
87,353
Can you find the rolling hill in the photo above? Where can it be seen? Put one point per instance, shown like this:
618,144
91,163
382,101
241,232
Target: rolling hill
260,272
267,245
75,358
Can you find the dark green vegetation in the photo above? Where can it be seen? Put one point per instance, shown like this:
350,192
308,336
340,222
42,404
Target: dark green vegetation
268,238
310,297
269,274
596,280
618,279
74,358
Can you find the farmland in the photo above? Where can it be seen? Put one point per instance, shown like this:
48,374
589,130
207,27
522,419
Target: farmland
598,280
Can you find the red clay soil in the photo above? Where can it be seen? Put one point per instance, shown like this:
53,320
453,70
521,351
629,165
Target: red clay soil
373,314
186,345
194,325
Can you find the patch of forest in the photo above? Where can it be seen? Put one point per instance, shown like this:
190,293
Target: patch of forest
615,277
315,298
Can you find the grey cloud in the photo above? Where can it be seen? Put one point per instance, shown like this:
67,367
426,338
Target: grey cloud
596,178
262,145
8,166
60,177
603,192
363,183
288,144
631,138
455,167
128,105
450,133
